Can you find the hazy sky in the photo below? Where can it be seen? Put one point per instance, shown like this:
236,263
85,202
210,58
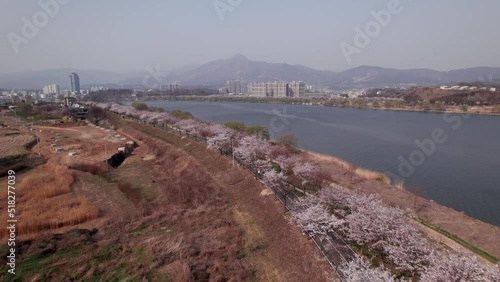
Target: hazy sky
123,35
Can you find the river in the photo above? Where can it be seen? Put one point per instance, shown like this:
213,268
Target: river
451,159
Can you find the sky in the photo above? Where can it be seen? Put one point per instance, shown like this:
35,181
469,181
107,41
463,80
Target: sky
127,35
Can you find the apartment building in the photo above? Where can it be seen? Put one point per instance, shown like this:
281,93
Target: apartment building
51,89
236,87
277,89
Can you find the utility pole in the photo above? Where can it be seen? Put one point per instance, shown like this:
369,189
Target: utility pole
284,201
232,149
106,155
37,142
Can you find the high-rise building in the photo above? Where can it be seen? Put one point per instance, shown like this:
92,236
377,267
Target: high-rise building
51,89
171,87
236,87
297,89
280,89
74,83
260,89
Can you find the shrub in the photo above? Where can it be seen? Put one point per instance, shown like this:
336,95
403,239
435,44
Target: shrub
182,115
140,106
236,125
289,140
464,108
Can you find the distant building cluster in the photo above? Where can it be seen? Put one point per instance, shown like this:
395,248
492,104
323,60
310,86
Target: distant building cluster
171,87
16,96
95,89
463,88
279,89
50,92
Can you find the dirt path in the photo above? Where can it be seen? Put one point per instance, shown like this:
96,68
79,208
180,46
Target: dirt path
83,133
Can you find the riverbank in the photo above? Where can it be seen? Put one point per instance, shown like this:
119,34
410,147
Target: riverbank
474,232
477,233
194,131
365,103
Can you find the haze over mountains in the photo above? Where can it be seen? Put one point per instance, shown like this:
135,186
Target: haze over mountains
214,74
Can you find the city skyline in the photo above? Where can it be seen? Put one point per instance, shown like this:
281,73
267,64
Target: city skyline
411,35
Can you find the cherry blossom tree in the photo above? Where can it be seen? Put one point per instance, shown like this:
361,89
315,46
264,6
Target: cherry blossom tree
452,267
309,174
103,106
275,181
250,149
388,231
337,199
314,217
287,162
359,270
305,171
190,126
220,138
261,166
119,109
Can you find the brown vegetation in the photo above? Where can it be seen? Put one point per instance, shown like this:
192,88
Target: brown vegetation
94,169
352,170
228,198
44,201
14,143
173,211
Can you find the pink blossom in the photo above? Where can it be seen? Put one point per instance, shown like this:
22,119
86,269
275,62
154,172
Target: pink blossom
274,180
451,267
314,216
359,270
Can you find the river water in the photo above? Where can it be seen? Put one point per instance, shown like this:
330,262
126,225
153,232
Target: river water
451,159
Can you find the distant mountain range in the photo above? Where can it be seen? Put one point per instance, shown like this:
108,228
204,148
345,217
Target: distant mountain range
214,74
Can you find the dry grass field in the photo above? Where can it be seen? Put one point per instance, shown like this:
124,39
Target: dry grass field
45,201
14,143
173,211
352,169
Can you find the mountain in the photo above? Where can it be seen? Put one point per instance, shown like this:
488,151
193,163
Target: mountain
368,76
214,74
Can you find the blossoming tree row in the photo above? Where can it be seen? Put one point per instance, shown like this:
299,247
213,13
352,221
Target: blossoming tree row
385,236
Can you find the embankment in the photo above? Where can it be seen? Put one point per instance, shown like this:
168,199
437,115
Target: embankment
276,249
477,233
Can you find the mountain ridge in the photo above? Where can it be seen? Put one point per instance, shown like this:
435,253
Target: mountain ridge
214,74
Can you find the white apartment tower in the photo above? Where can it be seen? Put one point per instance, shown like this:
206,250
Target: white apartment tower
51,89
